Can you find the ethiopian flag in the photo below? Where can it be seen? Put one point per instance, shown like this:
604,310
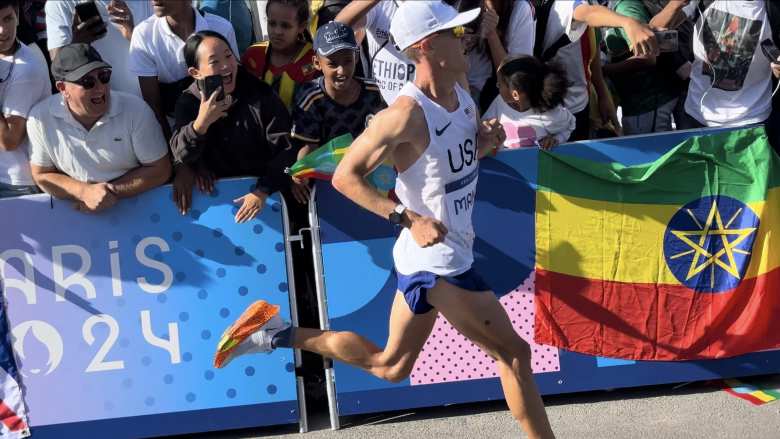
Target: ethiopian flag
322,162
675,259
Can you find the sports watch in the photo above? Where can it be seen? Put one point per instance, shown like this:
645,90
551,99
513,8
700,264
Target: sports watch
397,215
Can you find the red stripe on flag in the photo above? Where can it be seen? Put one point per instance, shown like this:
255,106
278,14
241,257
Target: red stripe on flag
656,322
10,419
746,396
313,174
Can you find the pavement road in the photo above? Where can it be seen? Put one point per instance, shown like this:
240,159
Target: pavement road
691,411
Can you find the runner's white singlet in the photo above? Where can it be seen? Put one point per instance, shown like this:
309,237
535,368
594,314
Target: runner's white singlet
441,184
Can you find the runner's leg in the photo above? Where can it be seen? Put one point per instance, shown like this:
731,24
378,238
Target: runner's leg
481,318
408,333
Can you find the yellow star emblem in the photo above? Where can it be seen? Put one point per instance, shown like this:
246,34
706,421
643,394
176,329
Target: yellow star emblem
713,227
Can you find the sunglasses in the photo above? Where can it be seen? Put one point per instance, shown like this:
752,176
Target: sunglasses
89,82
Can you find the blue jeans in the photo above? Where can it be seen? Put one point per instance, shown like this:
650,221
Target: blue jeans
9,191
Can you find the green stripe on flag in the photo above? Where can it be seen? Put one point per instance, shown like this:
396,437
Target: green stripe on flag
324,159
740,164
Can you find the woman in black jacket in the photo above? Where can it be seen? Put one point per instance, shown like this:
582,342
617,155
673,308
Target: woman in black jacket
241,129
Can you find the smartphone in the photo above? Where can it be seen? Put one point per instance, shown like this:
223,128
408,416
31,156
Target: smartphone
87,10
210,84
770,51
667,40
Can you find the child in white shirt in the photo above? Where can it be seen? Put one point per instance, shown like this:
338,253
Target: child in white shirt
530,103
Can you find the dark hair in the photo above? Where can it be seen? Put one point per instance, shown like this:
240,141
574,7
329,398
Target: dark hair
302,12
193,42
12,3
544,84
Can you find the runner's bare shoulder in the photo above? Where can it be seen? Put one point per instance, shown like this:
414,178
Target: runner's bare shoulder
402,122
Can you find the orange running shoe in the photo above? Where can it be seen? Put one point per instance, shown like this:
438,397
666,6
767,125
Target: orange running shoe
252,333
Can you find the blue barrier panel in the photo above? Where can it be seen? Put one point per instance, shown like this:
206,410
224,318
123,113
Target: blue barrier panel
116,316
356,254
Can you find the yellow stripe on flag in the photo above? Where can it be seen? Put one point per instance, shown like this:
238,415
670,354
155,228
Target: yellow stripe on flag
762,396
623,242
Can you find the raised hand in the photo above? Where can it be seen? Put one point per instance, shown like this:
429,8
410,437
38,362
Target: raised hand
87,31
211,110
491,134
120,14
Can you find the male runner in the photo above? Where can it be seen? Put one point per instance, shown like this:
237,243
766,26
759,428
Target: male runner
432,134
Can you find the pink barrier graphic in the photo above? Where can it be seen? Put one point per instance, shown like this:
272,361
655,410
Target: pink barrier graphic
448,356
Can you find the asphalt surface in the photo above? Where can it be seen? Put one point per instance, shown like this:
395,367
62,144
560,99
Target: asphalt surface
695,410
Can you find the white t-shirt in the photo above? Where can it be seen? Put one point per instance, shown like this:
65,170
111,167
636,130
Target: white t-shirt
27,84
123,139
521,37
524,129
113,47
734,86
156,51
480,68
520,32
390,68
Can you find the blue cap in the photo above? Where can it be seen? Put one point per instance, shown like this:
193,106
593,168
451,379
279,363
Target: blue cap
333,37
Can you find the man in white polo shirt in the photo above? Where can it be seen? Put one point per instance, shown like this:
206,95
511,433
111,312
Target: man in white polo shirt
156,54
91,144
111,38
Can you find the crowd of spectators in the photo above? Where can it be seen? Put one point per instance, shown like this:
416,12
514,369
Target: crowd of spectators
94,108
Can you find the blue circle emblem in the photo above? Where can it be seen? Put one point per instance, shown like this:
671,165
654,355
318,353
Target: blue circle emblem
708,243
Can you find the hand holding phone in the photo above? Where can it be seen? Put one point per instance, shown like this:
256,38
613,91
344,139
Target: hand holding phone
88,25
771,51
121,15
210,84
667,40
214,105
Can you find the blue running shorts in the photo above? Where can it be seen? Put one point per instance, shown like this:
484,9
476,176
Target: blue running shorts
416,285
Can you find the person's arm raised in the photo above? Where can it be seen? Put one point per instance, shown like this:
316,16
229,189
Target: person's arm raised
641,37
354,14
150,90
671,16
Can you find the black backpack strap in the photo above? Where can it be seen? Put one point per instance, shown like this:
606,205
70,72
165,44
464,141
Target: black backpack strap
542,10
553,50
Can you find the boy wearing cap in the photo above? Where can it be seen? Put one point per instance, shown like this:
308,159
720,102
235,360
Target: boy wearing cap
90,144
432,135
336,103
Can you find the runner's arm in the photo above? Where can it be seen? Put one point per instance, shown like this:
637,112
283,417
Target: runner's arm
387,130
490,137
